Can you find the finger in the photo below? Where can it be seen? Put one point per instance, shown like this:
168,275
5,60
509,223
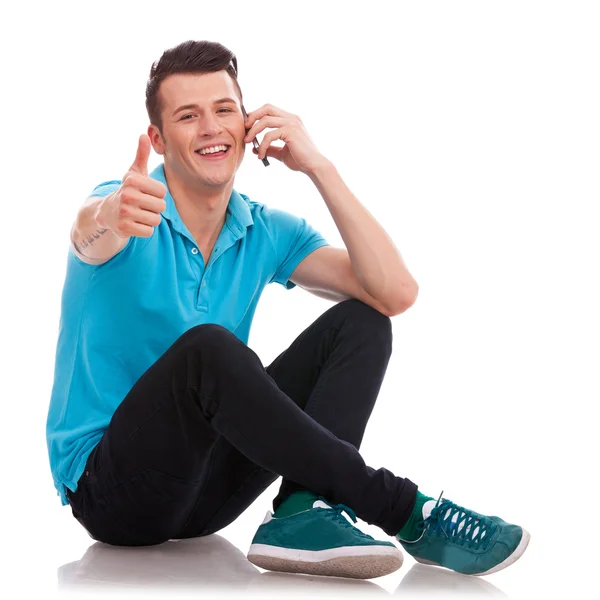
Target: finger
144,217
267,121
262,124
146,185
140,164
263,111
272,152
147,202
137,229
267,140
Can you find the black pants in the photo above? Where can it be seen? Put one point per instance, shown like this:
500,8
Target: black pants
206,429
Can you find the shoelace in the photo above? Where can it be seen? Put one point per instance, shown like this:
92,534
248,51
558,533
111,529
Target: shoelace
440,522
335,514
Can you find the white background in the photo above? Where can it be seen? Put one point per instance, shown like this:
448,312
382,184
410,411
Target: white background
470,130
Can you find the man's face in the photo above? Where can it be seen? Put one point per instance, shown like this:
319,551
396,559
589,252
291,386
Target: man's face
207,123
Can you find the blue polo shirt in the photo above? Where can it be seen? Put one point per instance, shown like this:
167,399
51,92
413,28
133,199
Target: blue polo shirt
119,317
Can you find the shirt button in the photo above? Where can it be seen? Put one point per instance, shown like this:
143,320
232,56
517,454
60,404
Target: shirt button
204,283
194,250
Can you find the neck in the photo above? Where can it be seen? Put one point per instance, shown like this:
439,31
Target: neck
202,209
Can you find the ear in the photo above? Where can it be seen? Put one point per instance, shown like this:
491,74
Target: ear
156,139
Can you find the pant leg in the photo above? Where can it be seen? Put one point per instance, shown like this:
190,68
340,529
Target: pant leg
154,455
233,482
333,371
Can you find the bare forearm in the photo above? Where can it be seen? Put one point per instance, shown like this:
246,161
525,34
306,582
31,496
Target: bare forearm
375,259
91,241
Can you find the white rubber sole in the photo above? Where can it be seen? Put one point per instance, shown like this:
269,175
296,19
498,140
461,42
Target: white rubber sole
358,562
509,560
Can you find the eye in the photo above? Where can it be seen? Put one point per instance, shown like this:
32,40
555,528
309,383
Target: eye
184,118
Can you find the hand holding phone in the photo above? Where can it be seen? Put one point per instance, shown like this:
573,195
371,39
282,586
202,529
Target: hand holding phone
254,141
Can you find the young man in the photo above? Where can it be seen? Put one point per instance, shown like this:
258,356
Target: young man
163,424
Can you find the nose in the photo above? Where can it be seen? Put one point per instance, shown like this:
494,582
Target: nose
209,125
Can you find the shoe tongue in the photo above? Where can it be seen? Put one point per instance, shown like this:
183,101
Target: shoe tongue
321,504
428,507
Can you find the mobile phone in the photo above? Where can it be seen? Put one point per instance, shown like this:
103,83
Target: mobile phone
254,141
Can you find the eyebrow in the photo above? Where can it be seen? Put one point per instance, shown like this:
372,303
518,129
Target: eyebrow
186,106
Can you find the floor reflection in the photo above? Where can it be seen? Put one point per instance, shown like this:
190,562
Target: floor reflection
209,562
423,581
197,563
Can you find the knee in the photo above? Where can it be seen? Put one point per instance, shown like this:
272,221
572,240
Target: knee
370,327
368,318
210,336
210,333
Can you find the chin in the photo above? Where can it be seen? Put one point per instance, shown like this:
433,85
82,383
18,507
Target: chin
217,181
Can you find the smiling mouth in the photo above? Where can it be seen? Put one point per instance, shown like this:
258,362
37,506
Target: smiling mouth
214,155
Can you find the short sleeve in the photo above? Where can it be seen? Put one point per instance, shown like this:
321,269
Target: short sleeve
105,188
293,239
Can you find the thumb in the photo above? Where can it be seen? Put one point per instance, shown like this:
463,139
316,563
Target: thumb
140,164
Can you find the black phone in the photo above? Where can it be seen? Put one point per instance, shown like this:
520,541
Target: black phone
254,141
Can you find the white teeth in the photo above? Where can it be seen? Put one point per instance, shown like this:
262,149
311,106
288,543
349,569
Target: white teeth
213,149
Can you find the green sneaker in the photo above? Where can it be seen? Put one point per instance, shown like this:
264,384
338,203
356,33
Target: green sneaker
321,541
465,541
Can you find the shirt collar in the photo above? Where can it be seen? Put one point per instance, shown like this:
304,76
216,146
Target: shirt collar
237,218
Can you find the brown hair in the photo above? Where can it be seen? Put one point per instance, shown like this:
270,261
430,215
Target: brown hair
188,57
